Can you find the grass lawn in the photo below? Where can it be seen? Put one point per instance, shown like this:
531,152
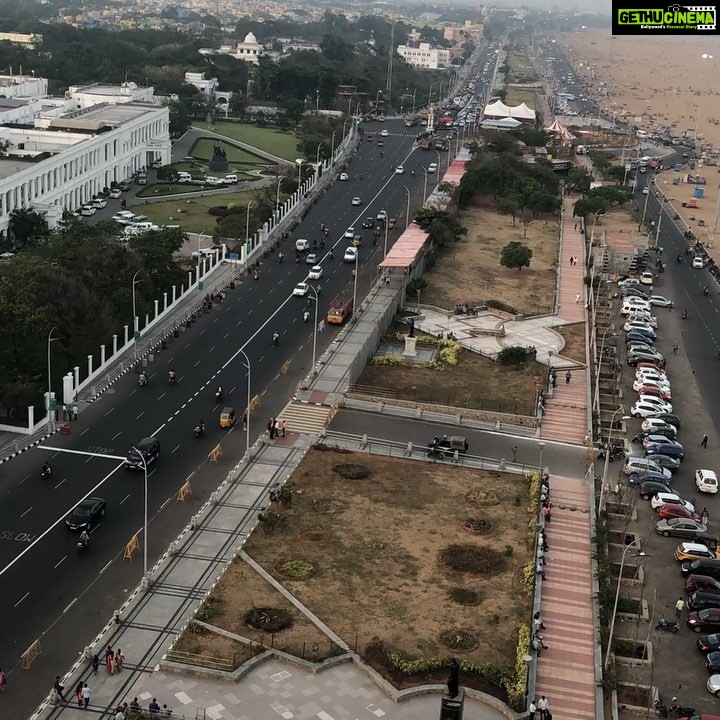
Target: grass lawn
475,382
521,68
469,271
238,158
517,96
365,542
191,214
278,142
155,189
574,336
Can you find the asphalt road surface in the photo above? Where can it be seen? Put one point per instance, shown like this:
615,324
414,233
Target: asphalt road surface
52,593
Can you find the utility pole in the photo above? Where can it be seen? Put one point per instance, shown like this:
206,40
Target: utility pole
391,52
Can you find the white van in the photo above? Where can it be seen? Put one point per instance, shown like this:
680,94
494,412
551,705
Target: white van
230,179
184,177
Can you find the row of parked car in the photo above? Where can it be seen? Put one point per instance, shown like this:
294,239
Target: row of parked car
651,471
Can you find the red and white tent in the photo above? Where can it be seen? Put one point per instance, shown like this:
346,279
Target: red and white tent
560,130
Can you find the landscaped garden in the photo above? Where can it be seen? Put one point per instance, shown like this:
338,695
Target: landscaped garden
282,143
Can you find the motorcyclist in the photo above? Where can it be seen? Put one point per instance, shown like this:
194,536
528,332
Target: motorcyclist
412,172
306,315
143,378
46,469
171,377
297,258
382,154
319,288
679,258
705,291
84,538
275,338
281,256
684,313
218,393
332,253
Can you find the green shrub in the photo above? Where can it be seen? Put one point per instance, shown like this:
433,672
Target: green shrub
513,355
499,305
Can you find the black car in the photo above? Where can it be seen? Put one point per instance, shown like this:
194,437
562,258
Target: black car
673,451
667,432
634,291
667,463
637,337
141,455
712,662
86,515
709,643
649,488
702,567
670,419
368,222
701,600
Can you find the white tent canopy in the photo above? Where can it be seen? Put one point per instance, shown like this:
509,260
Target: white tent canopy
522,112
499,109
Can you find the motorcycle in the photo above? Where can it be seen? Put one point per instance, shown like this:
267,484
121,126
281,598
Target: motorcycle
172,379
615,453
281,257
275,339
142,380
218,395
679,258
660,708
332,253
198,430
46,472
667,625
306,316
681,712
83,544
684,314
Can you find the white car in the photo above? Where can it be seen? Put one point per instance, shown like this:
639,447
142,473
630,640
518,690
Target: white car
698,263
115,193
652,378
302,245
643,317
316,272
706,481
432,167
343,176
356,201
99,203
301,289
645,408
643,382
670,499
628,282
311,259
655,424
384,133
661,301
350,255
631,325
382,216
630,308
399,170
212,180
645,191
647,278
349,233
87,210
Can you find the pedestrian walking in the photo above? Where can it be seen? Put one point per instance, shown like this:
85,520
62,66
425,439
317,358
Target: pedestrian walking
679,606
75,412
540,568
703,442
571,260
553,378
514,452
282,427
568,375
676,347
537,623
95,663
79,693
271,427
532,710
704,517
119,659
278,427
576,226
543,707
64,412
59,689
86,692
577,298
120,713
109,659
538,644
543,539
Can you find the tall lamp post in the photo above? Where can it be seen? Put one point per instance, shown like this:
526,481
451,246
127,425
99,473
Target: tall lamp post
425,183
407,209
300,162
386,239
247,221
596,398
357,257
617,597
247,407
332,148
430,94
541,447
315,328
145,511
50,411
136,320
603,484
317,156
277,196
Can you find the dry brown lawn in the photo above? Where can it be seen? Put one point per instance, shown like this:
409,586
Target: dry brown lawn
475,382
616,220
374,544
574,336
469,271
517,96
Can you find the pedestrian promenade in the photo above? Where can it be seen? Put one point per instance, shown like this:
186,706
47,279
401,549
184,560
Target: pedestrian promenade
565,415
566,670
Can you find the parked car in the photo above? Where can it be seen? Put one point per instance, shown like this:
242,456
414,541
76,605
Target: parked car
636,356
709,568
700,600
674,451
671,419
666,462
706,481
658,439
704,620
661,301
649,476
649,376
693,551
641,327
667,431
701,582
650,488
636,464
679,527
636,339
654,391
663,498
708,643
671,511
644,408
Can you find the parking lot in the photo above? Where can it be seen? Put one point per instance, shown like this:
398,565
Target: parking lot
652,576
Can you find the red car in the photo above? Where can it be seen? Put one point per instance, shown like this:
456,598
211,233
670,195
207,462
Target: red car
702,583
665,512
655,391
707,620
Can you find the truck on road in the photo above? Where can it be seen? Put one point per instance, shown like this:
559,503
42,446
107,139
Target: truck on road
340,309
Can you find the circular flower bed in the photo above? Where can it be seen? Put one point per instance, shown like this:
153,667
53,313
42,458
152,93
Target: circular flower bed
268,619
477,526
313,535
296,569
351,471
482,498
463,596
474,559
459,640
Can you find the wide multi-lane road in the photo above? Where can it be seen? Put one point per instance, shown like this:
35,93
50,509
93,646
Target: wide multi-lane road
52,593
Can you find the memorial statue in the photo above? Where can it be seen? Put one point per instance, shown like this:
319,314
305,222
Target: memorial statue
453,682
218,162
412,328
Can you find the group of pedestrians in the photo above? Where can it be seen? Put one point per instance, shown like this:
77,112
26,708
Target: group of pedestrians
276,428
542,707
70,413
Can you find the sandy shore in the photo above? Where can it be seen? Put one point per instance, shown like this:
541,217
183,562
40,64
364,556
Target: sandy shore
654,82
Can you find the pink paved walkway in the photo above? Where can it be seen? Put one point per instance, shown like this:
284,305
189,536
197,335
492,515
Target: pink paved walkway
565,417
566,670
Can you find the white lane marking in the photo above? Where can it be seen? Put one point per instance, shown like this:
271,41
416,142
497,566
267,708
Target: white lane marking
197,363
59,484
211,349
84,431
109,563
177,447
112,409
162,507
72,602
57,522
21,599
59,562
115,437
162,396
125,498
26,512
82,452
24,479
137,417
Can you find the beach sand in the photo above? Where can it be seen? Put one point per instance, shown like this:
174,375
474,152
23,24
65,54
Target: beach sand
654,82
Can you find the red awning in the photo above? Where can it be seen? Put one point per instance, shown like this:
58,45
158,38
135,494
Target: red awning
406,249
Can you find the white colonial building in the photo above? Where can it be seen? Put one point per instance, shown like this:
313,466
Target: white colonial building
85,96
207,86
424,56
71,156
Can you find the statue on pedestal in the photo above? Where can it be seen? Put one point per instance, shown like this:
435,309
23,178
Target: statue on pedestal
453,682
218,162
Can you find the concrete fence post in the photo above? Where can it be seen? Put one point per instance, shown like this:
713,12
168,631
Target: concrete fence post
165,301
126,334
156,303
90,365
102,355
114,344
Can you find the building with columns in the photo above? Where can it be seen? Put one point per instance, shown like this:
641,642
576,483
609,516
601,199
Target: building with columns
76,155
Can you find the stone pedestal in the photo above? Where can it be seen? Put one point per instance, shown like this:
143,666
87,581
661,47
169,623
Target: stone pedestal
452,708
410,343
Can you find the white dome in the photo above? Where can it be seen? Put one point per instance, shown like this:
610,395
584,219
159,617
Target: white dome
250,39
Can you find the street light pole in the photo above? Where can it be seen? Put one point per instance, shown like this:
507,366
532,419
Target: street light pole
136,320
315,328
332,148
413,97
541,447
317,156
596,398
430,94
277,197
145,520
51,413
617,597
300,163
357,257
386,239
603,483
425,184
247,221
407,209
247,408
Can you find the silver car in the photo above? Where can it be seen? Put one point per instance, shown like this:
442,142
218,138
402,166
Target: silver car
680,527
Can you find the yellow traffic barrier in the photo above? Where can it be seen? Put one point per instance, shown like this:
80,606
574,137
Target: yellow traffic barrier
286,366
29,656
131,547
215,454
184,491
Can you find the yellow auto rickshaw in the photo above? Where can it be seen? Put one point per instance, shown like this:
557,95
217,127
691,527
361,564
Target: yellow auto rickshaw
227,417
357,240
